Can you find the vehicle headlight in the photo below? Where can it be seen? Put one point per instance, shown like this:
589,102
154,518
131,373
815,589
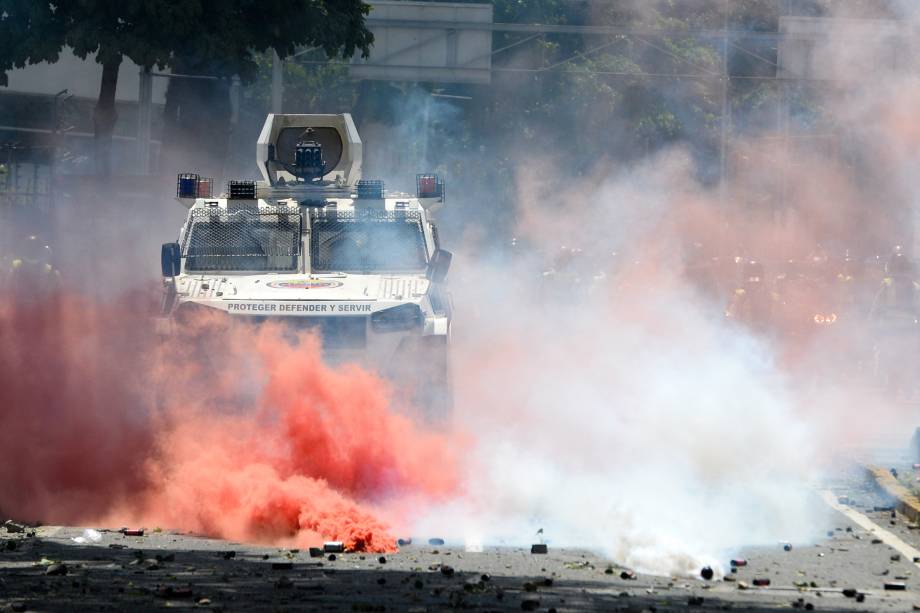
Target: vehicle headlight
402,317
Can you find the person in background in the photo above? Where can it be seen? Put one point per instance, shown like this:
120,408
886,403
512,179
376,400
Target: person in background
29,271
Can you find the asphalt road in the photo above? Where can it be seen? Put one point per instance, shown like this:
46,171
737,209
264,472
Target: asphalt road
847,570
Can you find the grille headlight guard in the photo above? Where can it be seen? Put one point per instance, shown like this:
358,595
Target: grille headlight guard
398,318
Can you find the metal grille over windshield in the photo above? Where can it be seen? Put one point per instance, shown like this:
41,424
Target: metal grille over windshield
267,239
367,241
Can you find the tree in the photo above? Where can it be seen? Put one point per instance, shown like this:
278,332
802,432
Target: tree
221,34
233,40
35,31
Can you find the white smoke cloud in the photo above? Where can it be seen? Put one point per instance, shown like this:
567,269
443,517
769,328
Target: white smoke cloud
635,421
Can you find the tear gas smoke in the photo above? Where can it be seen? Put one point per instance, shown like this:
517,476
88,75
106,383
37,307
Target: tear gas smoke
245,434
607,402
634,419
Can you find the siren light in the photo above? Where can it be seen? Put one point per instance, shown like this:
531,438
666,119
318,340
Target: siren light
187,185
204,187
191,185
429,186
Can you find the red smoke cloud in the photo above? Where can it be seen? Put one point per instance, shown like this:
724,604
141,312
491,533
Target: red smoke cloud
232,431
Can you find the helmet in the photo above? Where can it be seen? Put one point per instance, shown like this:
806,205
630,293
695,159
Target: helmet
34,249
898,263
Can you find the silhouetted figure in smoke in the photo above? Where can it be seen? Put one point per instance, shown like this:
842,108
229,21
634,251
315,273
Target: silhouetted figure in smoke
753,302
847,283
30,273
817,317
894,315
793,288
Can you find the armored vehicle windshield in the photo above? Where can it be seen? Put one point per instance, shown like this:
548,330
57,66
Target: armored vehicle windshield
367,241
267,239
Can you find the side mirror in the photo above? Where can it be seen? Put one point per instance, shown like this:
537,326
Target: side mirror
439,265
171,259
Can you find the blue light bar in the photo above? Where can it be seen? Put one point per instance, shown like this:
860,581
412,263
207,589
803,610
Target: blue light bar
370,189
187,185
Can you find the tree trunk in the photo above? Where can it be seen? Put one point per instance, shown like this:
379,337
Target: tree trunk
105,116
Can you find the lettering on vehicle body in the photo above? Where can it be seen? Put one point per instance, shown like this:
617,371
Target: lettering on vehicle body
299,307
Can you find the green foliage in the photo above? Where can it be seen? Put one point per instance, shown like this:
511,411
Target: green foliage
32,31
231,35
225,35
310,86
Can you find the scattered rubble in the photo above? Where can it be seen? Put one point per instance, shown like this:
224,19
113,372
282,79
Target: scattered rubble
89,536
284,583
132,532
334,547
583,564
169,591
56,570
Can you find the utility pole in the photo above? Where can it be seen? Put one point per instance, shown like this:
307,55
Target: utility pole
277,82
723,137
783,117
55,147
144,119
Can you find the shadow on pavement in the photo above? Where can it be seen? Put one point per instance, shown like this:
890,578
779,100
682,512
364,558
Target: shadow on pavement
100,578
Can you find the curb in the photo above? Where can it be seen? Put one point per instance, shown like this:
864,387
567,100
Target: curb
908,504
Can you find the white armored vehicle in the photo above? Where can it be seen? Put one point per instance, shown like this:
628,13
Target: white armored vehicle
315,247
